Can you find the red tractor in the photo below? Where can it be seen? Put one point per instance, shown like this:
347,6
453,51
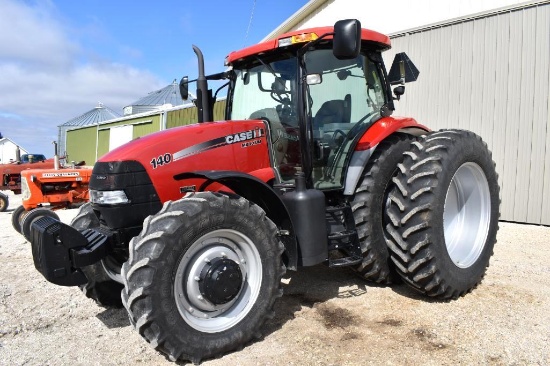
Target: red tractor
191,229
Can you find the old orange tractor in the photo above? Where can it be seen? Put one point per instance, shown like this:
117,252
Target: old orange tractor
47,190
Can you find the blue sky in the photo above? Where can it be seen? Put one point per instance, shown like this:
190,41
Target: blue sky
58,59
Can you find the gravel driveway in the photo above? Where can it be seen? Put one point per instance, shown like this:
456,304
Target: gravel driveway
326,317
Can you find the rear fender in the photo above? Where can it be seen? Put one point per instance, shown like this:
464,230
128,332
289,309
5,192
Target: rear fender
254,190
366,145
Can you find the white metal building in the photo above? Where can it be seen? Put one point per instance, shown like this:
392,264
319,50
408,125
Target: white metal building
482,67
7,150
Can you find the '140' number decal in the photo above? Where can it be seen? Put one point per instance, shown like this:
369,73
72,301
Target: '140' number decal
161,160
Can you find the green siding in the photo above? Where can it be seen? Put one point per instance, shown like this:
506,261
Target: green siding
146,128
103,145
181,117
186,116
219,110
142,126
81,145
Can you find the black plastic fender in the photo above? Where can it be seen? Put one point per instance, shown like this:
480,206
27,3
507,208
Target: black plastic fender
257,191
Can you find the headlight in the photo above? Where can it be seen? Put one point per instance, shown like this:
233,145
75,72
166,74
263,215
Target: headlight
26,192
108,197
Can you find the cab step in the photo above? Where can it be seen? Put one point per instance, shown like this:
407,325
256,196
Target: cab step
345,242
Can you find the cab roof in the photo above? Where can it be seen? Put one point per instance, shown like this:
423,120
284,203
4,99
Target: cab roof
366,35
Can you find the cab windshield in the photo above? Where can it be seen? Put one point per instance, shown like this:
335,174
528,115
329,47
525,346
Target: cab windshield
342,98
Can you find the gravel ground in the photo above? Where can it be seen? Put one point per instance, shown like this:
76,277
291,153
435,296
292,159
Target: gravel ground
326,317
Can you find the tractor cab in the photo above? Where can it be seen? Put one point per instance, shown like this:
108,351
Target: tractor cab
318,90
342,98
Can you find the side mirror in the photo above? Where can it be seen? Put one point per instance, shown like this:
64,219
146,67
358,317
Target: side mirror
402,70
184,91
347,39
399,91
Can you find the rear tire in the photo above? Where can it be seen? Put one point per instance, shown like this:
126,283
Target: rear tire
444,212
100,287
170,293
368,208
4,202
17,218
32,216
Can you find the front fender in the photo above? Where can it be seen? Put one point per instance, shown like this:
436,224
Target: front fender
257,191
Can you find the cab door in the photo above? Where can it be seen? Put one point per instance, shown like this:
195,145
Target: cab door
344,99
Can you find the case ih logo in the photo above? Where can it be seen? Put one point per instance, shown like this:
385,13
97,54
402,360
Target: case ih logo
56,175
244,136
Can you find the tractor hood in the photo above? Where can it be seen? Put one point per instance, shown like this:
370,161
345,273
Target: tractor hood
230,145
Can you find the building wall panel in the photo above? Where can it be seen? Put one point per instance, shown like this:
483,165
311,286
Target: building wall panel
181,117
512,119
81,145
541,131
490,75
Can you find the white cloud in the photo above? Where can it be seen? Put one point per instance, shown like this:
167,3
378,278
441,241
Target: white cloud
47,79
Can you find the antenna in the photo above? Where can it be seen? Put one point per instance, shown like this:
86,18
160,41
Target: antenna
249,22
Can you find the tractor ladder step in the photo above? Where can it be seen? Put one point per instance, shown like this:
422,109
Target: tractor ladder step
336,239
347,261
345,242
337,208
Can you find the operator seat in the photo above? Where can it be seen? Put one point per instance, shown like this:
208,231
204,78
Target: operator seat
333,111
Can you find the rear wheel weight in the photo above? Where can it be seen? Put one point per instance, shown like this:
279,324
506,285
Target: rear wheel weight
443,213
183,252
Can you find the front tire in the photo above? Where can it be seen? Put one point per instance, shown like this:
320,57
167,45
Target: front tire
368,208
17,218
172,280
33,215
100,287
444,214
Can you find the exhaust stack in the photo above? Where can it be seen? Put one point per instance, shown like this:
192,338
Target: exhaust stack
55,156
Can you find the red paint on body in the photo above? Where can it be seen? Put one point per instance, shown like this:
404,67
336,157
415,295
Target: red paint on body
253,159
385,127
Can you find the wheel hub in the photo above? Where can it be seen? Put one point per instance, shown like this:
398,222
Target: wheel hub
220,281
217,280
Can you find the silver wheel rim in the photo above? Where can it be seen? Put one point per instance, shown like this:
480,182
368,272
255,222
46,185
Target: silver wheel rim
467,214
197,311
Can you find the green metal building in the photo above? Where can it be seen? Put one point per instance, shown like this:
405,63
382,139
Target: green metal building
90,142
90,136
